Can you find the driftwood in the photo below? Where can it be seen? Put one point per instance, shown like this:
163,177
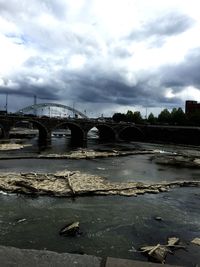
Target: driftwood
159,252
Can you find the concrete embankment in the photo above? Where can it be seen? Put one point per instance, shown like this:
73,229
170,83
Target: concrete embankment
14,257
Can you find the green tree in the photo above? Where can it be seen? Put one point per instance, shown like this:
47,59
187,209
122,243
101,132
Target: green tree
137,118
178,116
119,117
129,116
164,116
151,119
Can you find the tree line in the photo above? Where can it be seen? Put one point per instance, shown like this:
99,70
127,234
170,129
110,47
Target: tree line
175,117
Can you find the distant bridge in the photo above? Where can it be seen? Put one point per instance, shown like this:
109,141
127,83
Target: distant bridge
34,108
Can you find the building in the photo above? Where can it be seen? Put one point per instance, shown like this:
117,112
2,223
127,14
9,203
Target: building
191,106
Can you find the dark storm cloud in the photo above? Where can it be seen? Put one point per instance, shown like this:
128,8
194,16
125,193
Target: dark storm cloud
183,74
165,26
112,88
94,85
23,87
65,60
40,92
150,88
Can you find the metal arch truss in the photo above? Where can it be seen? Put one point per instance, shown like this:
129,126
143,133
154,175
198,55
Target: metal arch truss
35,107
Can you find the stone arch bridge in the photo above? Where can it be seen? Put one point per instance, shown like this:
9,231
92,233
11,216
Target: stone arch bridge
108,130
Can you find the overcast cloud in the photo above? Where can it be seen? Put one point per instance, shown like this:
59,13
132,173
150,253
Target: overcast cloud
103,55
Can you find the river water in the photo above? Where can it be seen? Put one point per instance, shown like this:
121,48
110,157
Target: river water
111,225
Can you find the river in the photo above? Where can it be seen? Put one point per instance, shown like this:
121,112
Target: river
111,225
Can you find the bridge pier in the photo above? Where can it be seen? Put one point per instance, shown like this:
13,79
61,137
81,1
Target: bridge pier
117,138
84,138
4,132
44,138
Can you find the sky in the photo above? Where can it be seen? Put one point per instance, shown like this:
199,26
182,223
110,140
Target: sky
102,56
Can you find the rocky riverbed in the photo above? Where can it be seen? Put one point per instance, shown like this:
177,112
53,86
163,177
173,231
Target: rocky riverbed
70,184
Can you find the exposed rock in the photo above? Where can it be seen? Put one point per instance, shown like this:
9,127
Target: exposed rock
66,183
196,241
12,146
91,154
70,229
84,154
177,160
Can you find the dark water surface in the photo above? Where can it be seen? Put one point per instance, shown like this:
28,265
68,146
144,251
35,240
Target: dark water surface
113,225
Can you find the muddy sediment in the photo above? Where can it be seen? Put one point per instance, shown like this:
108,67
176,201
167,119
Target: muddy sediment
70,184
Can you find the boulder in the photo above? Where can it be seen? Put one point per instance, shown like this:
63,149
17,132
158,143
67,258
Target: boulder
196,241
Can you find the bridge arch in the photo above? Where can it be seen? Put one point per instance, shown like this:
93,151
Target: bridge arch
33,109
3,132
131,133
77,133
44,134
105,132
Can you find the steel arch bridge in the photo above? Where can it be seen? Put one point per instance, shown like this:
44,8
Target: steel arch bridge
34,108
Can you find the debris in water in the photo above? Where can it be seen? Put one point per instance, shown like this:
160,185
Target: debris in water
70,229
100,168
157,218
159,252
132,249
172,241
156,253
21,220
